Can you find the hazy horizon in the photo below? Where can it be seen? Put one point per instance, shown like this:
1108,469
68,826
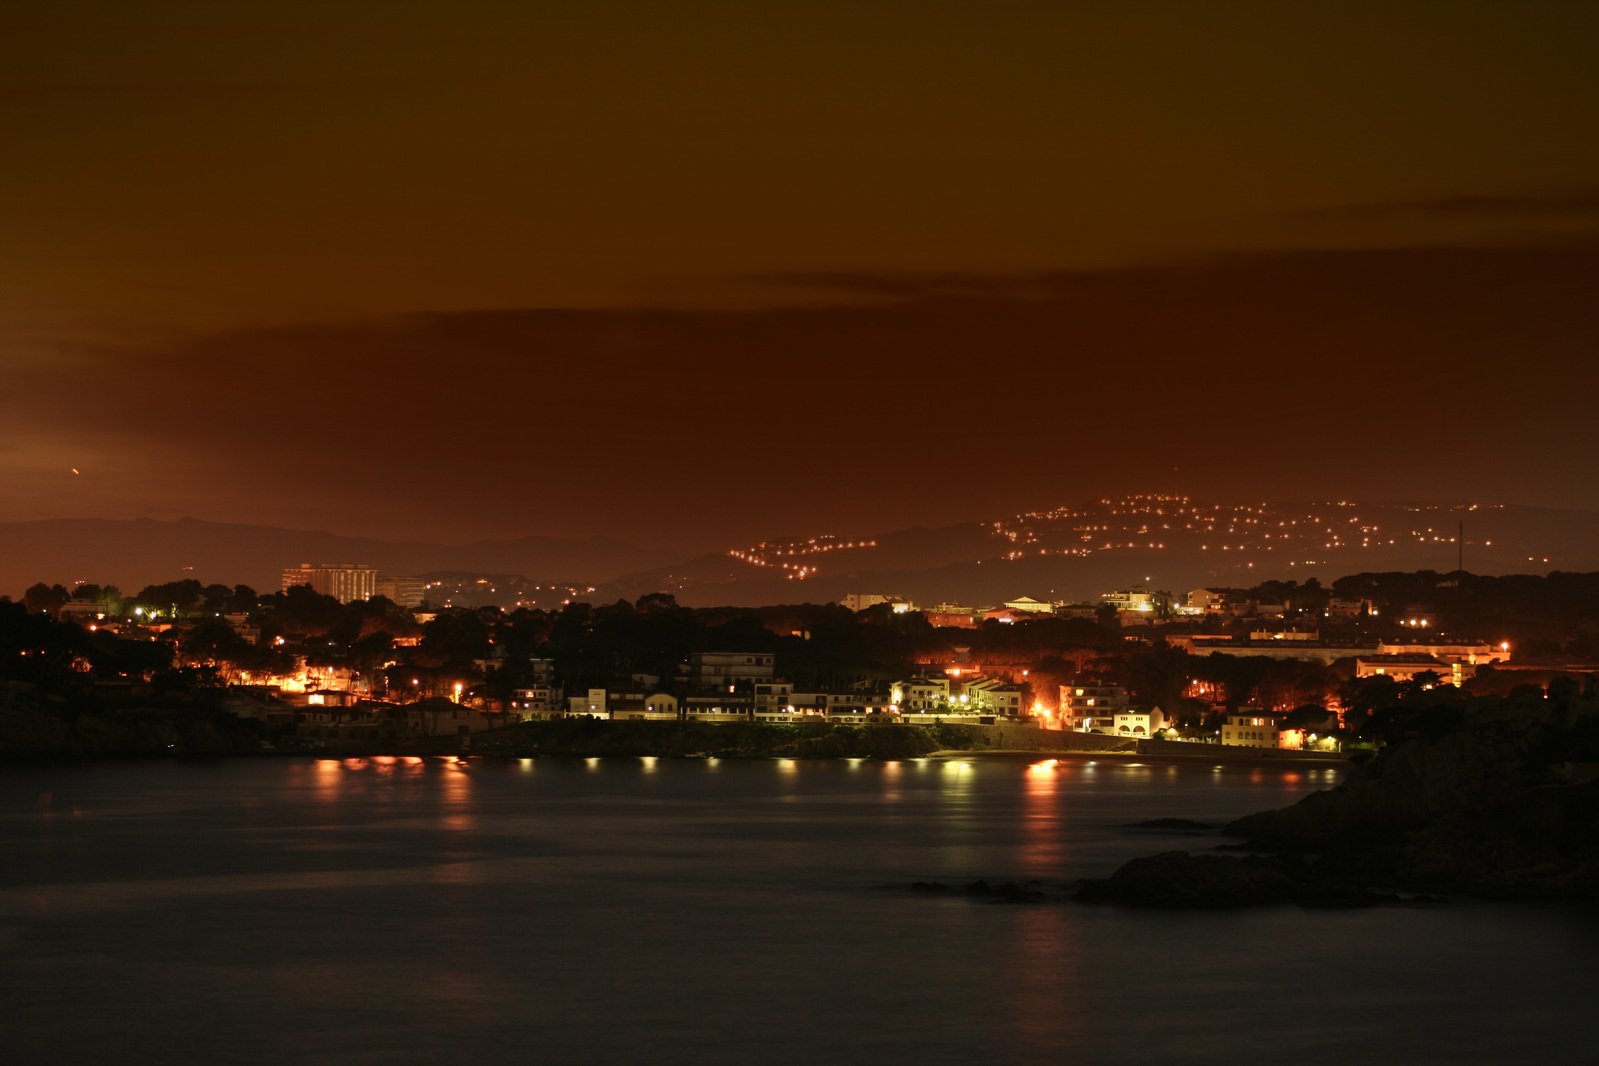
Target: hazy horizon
1074,552
715,272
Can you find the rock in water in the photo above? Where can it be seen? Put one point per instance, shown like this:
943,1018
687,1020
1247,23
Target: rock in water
1177,879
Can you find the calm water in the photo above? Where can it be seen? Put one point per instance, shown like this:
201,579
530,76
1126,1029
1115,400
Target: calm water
648,911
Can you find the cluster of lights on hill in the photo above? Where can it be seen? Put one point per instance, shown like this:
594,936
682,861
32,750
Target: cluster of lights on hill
1287,534
511,591
1296,533
797,558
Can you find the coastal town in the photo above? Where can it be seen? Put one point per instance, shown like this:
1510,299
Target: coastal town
342,655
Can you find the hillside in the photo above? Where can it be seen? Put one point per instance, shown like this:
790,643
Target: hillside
138,552
1080,552
1069,553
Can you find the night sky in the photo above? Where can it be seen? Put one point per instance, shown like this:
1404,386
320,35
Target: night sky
688,273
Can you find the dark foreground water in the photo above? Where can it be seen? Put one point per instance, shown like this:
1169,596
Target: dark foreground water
626,910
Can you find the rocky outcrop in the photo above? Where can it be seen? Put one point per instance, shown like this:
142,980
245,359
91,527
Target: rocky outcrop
1491,809
1177,879
1179,825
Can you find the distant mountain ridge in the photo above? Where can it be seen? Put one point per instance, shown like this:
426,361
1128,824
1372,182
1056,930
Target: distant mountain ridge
1069,553
132,553
1080,552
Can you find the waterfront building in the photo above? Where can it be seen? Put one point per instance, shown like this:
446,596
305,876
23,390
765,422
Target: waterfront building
920,694
773,696
537,701
591,703
718,708
1139,722
728,670
643,706
987,695
1091,708
1250,727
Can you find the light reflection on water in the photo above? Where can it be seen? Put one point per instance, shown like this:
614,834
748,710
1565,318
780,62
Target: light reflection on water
1041,838
1050,999
697,911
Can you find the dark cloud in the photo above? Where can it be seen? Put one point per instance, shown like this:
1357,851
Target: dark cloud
922,285
1398,374
1568,206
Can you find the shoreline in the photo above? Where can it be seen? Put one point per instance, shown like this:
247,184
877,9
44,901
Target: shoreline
1241,757
176,737
1207,754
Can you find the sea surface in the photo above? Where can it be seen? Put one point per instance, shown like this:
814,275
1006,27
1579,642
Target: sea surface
711,911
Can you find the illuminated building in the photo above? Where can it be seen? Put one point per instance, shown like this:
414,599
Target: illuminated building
728,669
860,601
1006,615
1134,599
920,694
592,704
834,704
1134,722
771,696
1348,608
1250,728
1409,667
1211,600
1280,646
345,582
719,708
1091,708
404,591
643,706
537,700
991,696
951,616
83,611
1474,652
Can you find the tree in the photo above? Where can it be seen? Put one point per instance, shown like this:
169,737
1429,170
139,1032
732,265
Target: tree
657,601
1365,696
1157,674
368,655
211,641
1312,717
304,611
114,657
453,642
217,599
1163,604
181,596
45,599
244,600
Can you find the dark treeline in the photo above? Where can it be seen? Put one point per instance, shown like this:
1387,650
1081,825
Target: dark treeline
174,649
1552,615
